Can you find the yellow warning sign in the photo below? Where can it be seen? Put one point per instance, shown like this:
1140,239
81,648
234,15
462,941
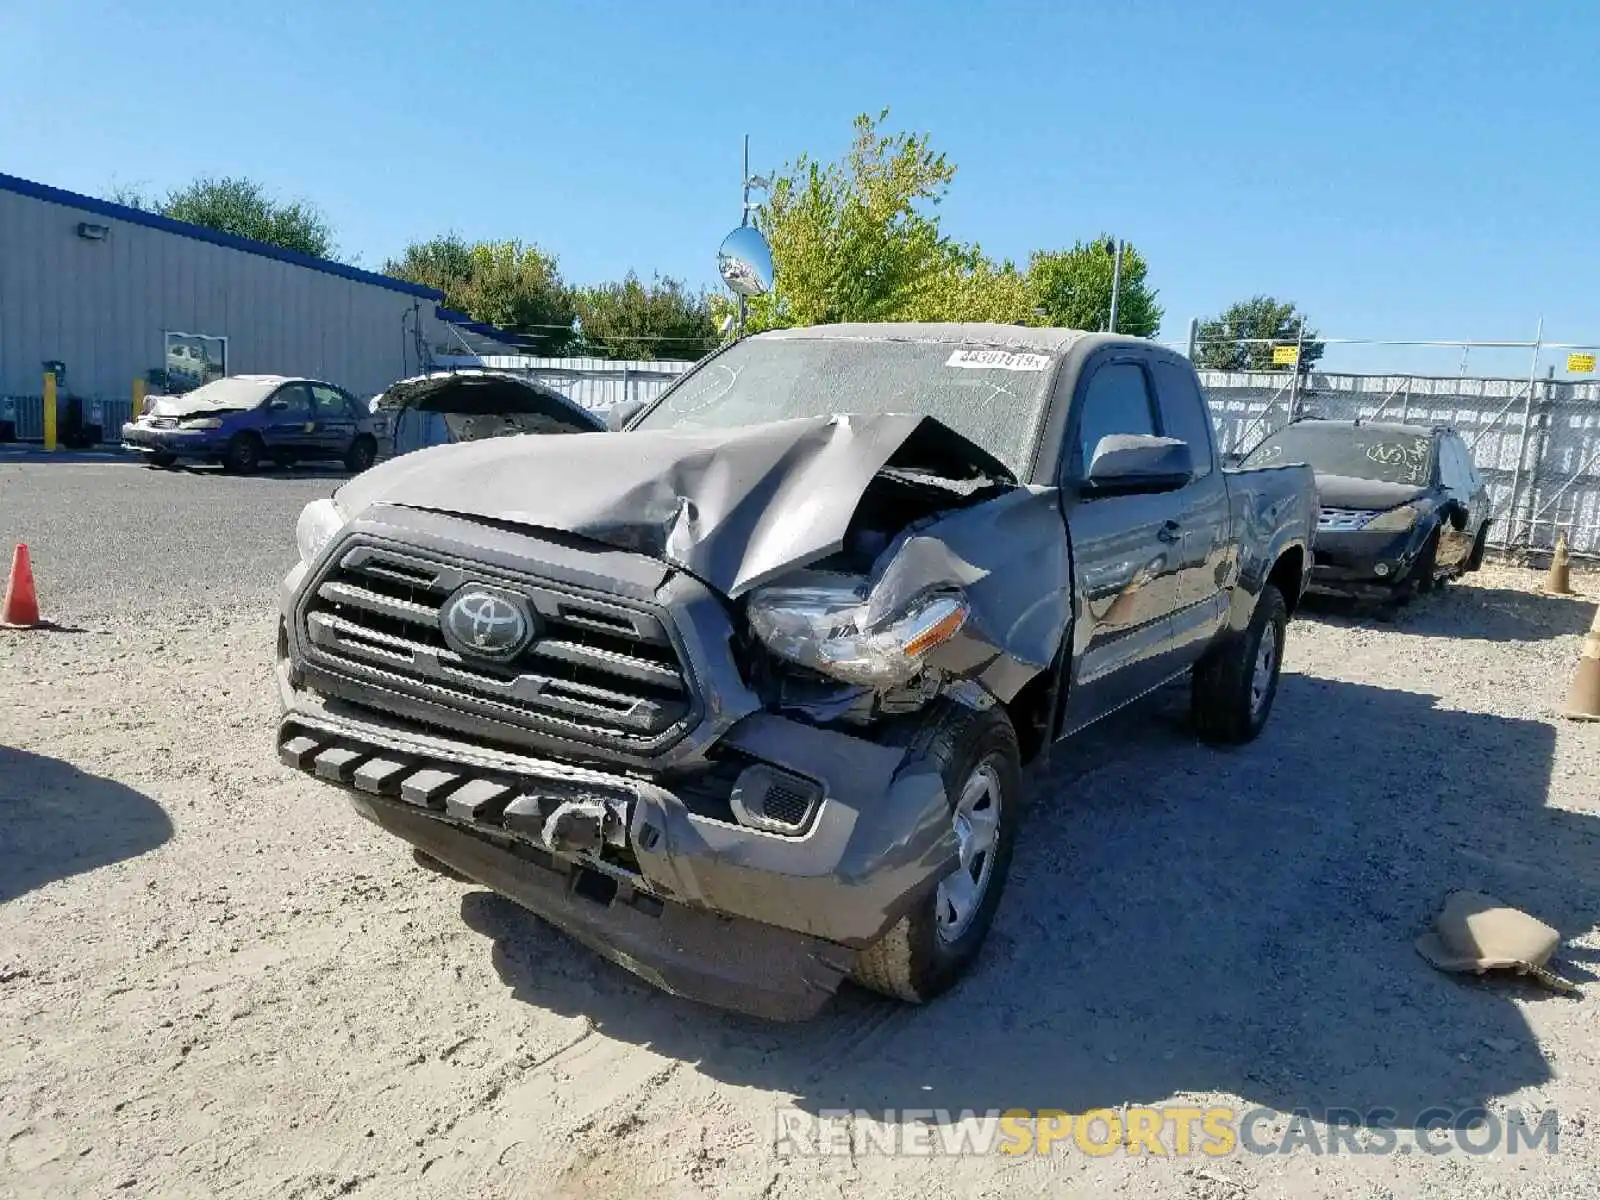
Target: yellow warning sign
1580,364
1285,356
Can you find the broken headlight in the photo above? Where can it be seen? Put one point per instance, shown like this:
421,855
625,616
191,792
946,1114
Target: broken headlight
825,622
318,522
1394,520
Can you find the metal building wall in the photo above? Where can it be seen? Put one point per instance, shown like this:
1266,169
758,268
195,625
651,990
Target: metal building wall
101,307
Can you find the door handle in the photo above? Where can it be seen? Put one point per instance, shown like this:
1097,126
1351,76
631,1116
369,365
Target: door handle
1169,531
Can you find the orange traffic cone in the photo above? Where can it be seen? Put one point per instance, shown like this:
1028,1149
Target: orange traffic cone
21,607
1583,698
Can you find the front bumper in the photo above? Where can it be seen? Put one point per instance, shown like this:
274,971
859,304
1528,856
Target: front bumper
1359,563
700,906
178,443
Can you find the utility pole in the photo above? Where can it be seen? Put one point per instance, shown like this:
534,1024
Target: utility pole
1116,284
744,219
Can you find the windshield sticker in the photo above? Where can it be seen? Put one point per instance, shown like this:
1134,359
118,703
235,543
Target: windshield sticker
997,360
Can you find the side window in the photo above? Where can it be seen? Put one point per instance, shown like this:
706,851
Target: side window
1452,470
330,404
292,401
1469,468
1184,413
1116,400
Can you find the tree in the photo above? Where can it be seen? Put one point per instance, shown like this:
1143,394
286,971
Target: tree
851,240
508,284
1242,337
1073,288
243,208
972,287
634,320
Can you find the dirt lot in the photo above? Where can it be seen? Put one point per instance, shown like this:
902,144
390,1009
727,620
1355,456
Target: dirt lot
216,980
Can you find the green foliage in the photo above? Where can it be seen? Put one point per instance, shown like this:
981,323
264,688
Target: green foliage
633,320
851,239
1219,344
857,240
508,284
243,208
1073,288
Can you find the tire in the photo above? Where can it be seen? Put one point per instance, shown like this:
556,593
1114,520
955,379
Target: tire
934,946
1423,576
1229,698
1479,545
361,454
162,462
244,453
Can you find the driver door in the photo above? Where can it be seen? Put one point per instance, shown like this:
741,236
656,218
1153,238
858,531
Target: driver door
1127,551
288,426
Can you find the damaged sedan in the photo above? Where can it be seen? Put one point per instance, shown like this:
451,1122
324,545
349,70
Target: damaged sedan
740,696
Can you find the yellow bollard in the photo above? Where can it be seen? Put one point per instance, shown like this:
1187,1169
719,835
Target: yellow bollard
138,399
50,410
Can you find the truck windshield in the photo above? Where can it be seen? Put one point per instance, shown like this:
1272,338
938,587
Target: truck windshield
995,398
1385,455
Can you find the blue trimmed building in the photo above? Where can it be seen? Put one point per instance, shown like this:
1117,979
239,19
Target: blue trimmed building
105,290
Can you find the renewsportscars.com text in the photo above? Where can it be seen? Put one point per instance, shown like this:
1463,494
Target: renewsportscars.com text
1171,1130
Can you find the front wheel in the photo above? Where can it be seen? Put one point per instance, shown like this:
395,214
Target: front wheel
1422,577
1479,545
244,453
935,944
1234,685
162,462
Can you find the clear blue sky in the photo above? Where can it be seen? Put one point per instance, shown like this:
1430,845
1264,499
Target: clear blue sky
1403,170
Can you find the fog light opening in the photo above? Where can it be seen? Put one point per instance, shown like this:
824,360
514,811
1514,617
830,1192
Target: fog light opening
1381,570
766,798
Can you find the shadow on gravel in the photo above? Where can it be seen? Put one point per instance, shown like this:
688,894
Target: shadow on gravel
1461,611
57,821
1181,919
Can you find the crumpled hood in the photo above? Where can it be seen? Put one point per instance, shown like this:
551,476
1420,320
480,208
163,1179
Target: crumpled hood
1347,491
734,507
182,406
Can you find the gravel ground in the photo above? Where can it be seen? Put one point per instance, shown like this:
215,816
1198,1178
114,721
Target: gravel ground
216,980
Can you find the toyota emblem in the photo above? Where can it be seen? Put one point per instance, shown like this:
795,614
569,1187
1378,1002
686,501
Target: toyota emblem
487,623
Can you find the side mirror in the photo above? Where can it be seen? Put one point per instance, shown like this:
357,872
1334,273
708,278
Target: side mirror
618,415
1136,462
278,405
745,261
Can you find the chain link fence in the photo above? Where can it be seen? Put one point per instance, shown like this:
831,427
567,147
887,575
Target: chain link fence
1535,439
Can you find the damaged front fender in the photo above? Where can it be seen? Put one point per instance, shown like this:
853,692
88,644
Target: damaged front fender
1009,557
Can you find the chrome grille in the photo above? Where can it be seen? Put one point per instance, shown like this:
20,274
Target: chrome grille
1343,520
599,671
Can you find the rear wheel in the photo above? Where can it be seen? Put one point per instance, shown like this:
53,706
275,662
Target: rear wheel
935,944
1234,685
361,454
244,453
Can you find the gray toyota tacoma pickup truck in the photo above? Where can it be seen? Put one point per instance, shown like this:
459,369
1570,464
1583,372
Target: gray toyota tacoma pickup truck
739,695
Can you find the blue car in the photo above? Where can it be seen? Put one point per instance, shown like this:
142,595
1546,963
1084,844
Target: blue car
240,421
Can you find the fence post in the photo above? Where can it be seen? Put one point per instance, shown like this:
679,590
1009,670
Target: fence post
1294,385
138,397
49,410
1194,335
1514,508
